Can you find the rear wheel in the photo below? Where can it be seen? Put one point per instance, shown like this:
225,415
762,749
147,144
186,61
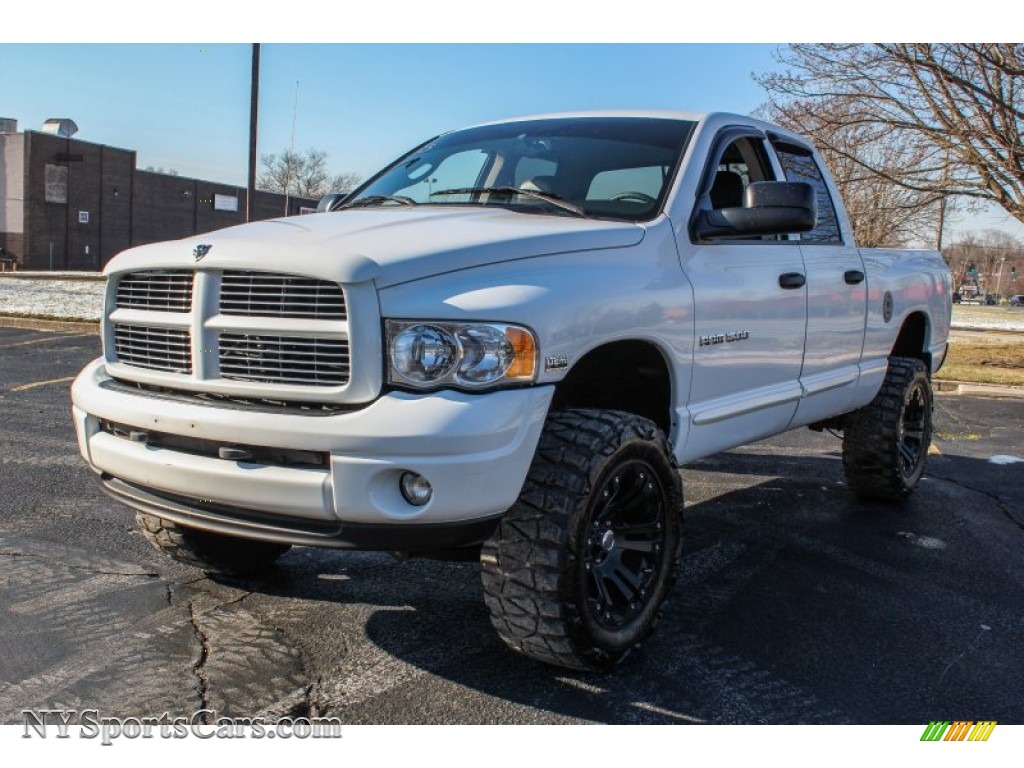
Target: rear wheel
213,552
578,570
885,444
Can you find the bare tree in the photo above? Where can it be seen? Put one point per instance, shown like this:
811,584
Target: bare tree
302,174
959,106
882,213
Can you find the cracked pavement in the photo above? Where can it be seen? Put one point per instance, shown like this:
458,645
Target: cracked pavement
796,602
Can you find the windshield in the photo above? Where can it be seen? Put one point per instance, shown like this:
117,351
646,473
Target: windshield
607,167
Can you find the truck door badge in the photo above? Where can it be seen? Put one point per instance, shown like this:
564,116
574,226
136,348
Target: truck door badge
723,338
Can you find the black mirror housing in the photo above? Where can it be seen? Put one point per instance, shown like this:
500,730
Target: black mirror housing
769,208
330,202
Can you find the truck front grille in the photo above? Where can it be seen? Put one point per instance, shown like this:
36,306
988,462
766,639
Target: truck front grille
239,333
267,294
158,349
284,359
156,290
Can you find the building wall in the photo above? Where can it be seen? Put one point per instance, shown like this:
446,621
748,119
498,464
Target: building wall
109,205
12,193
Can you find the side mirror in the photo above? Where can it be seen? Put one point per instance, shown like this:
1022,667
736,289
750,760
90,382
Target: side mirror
330,201
769,208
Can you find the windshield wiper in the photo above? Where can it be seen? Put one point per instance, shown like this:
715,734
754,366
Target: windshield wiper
378,200
547,197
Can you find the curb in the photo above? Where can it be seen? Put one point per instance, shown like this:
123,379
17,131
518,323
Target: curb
977,390
81,276
38,324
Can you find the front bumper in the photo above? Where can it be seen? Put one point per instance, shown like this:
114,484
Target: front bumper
474,449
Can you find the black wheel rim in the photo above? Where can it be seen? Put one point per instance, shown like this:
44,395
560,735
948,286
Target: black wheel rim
624,545
913,435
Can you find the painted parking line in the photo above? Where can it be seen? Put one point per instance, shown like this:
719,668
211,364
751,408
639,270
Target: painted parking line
34,384
47,338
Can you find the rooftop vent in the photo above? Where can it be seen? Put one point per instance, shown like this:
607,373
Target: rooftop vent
60,126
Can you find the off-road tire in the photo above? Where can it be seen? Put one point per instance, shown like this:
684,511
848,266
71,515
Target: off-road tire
602,484
213,552
885,444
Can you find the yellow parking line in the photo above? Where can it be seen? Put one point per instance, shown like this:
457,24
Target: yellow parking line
34,384
51,338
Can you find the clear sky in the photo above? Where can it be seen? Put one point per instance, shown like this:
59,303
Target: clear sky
186,106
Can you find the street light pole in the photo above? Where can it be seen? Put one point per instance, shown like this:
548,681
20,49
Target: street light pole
250,197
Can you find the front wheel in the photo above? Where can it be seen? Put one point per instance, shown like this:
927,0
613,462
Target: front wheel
215,553
885,443
578,570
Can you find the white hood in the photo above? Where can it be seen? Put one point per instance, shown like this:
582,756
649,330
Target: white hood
387,245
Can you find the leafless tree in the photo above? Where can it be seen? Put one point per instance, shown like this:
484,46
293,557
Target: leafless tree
882,213
959,106
302,174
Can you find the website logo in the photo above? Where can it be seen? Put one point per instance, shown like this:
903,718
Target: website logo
958,730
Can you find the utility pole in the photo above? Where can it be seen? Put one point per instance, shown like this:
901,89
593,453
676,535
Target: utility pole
999,280
250,197
942,205
291,151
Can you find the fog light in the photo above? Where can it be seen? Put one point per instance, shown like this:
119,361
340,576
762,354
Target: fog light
415,489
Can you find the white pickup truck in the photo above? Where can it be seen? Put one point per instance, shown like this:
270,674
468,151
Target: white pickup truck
504,345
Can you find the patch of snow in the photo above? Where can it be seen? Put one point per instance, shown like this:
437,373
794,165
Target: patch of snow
970,318
1001,458
925,542
70,299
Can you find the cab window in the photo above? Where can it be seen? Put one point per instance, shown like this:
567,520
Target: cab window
798,164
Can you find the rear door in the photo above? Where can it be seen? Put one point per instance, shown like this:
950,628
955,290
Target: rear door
836,296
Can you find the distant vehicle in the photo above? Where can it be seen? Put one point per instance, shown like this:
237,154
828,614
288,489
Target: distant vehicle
1017,301
991,300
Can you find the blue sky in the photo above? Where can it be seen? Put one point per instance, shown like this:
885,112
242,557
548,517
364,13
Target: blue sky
186,106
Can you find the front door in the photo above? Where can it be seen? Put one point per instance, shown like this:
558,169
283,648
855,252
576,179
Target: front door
750,314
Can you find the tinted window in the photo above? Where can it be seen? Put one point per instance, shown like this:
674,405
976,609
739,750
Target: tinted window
624,182
800,166
592,162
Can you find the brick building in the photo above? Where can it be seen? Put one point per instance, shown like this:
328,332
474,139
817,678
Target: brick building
67,204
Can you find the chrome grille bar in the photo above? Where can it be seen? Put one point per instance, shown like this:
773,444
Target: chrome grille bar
268,294
284,359
158,349
157,290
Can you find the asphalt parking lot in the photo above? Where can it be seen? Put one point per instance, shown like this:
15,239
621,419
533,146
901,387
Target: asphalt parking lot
796,603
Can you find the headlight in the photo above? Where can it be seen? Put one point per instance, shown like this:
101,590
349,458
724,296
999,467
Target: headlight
422,354
428,355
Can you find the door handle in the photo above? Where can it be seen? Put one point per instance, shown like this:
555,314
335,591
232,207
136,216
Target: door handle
790,280
853,277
